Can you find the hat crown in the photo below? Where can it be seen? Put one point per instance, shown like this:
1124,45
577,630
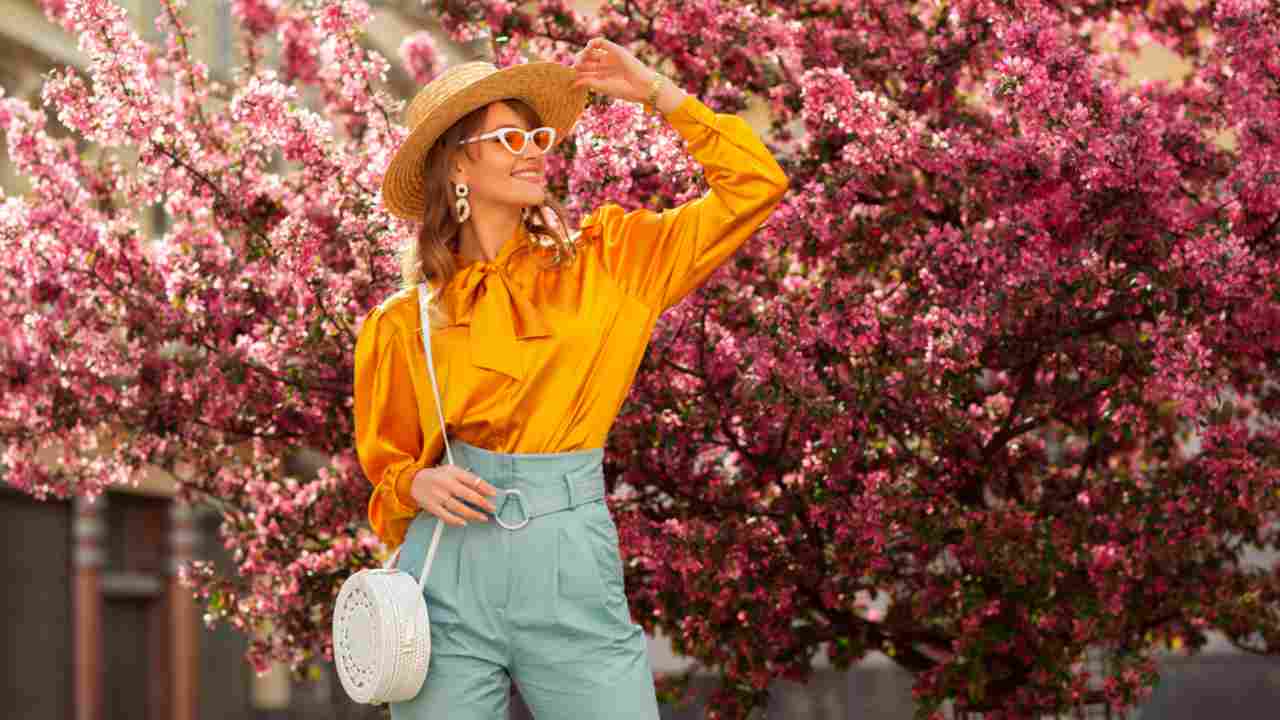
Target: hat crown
443,86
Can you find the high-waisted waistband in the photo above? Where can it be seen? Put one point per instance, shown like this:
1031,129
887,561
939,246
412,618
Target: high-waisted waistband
507,469
540,483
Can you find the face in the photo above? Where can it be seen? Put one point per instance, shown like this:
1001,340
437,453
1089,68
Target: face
497,179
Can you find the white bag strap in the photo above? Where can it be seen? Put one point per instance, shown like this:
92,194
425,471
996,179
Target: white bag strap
424,293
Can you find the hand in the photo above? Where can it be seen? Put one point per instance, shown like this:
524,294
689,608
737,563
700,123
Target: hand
609,68
440,491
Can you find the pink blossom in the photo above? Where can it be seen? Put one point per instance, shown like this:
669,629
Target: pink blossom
420,57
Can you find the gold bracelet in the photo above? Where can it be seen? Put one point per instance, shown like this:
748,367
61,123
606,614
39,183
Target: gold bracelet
652,100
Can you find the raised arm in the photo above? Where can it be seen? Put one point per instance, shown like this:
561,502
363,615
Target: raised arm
660,257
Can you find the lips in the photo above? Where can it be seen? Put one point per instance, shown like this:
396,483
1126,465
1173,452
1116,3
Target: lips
531,177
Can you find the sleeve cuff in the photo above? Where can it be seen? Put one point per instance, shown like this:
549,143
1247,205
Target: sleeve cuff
402,489
691,115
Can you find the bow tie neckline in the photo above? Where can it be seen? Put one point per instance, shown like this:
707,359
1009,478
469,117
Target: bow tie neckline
500,315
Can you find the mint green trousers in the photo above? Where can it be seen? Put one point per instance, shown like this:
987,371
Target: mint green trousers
543,604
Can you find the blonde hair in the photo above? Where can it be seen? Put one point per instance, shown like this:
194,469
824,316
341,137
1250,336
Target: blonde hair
428,257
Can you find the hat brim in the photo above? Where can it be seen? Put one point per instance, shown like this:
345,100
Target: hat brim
546,86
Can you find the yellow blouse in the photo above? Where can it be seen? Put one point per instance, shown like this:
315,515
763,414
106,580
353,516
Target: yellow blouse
541,361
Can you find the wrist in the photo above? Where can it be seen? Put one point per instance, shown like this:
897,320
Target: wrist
648,92
670,97
661,95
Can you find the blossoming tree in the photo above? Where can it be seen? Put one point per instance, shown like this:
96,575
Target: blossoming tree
990,389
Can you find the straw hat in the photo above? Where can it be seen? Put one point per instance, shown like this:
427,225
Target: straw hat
545,86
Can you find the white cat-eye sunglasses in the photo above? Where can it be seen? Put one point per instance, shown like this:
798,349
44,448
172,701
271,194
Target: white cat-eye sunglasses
516,141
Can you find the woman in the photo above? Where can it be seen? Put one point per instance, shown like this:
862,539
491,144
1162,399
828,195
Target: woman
536,337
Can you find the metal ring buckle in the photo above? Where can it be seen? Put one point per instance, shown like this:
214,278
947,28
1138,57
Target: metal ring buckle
523,510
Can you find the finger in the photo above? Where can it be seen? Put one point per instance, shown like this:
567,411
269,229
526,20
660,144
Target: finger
596,49
463,491
448,517
484,488
475,482
455,506
464,488
461,508
613,52
478,484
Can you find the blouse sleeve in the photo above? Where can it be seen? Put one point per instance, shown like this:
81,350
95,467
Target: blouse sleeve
388,432
660,257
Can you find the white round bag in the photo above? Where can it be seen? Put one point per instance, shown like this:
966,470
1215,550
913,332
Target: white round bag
381,632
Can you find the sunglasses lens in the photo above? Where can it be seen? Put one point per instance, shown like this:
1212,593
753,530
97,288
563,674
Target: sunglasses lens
514,139
542,137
